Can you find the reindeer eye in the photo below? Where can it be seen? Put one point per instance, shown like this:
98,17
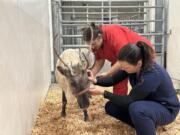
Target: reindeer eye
73,83
83,71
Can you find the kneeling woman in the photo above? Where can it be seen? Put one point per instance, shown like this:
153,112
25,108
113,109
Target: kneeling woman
152,100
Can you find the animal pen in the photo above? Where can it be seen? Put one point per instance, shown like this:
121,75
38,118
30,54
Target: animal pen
31,100
147,17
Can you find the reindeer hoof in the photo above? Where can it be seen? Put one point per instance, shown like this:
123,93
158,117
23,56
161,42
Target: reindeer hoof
63,114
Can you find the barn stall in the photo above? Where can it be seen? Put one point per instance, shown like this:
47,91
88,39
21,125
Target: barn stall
27,28
149,18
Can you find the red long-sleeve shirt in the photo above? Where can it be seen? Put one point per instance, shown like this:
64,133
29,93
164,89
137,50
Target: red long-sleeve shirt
114,38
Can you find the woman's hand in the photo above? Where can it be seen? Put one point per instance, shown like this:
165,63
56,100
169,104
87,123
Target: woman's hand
91,76
96,91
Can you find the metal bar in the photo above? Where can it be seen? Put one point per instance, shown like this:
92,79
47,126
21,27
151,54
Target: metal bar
158,44
99,13
75,46
100,21
71,36
102,11
134,24
146,17
103,1
144,34
85,45
163,55
85,24
110,7
151,34
165,15
122,7
60,27
87,14
96,18
159,53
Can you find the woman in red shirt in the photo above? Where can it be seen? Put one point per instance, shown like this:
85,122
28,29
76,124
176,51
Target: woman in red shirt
105,42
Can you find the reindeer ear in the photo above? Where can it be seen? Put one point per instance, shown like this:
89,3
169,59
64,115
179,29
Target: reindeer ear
63,71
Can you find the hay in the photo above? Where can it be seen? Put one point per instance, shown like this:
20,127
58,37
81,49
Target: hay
49,121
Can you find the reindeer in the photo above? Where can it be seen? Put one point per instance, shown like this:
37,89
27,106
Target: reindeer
71,75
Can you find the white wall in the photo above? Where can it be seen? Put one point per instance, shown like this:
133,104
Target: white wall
24,63
173,52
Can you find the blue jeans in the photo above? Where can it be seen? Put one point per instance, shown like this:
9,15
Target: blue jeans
144,116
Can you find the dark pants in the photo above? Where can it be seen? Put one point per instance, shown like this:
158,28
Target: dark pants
144,116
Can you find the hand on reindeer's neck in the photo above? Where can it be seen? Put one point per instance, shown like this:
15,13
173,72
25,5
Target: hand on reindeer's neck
96,91
93,80
91,77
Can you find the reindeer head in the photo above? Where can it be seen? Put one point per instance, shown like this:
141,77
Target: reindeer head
77,76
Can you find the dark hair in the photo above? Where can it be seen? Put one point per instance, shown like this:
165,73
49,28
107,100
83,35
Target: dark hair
87,32
140,51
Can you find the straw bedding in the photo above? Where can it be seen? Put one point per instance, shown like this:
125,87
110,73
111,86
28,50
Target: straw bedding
49,122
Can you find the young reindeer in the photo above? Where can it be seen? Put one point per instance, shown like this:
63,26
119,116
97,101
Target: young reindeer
71,75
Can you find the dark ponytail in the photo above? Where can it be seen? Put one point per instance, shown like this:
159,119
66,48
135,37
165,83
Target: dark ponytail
148,55
140,51
91,32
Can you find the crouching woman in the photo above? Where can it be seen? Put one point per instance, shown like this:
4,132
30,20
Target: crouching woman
152,100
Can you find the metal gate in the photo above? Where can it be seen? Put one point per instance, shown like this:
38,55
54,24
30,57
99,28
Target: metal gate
147,17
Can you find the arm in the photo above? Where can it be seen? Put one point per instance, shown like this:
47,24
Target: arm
113,69
111,80
97,66
149,84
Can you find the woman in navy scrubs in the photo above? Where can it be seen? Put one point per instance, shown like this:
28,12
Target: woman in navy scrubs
152,100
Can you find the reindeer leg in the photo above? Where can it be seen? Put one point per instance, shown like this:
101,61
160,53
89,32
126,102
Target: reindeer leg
64,102
86,116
